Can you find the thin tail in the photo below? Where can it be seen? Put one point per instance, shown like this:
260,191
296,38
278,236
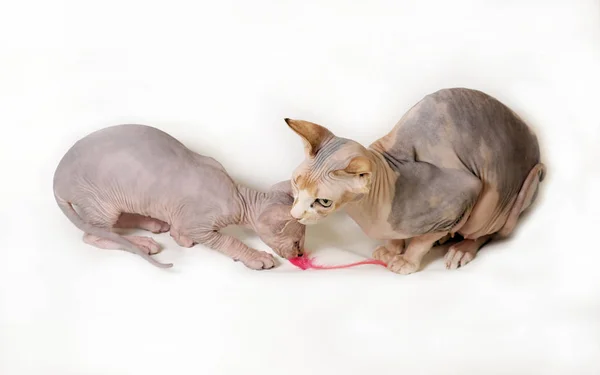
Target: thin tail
72,215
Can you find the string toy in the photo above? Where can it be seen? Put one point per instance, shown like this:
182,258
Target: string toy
307,262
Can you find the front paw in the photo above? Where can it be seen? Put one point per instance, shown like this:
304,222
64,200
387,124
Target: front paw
400,265
383,254
259,260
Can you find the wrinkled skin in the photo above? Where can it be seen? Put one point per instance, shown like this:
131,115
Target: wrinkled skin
459,161
136,176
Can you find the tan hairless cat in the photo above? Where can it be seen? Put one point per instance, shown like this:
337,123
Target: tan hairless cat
136,176
459,161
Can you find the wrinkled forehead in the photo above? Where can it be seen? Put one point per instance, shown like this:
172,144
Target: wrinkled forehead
311,175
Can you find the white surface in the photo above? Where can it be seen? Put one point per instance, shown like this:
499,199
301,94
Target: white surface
221,76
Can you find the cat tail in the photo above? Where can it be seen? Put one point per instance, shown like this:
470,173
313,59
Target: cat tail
74,217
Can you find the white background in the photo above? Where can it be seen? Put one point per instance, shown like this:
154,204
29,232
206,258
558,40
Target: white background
221,76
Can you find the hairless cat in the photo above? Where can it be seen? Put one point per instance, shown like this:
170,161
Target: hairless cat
459,161
136,176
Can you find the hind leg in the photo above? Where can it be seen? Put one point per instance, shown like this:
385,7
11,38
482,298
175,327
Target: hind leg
524,199
107,219
463,252
131,221
146,244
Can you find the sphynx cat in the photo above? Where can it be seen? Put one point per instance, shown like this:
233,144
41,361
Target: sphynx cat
136,176
459,161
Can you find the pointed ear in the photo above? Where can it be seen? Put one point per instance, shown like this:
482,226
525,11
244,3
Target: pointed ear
358,165
312,135
360,170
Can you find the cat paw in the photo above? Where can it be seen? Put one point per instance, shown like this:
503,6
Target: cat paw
159,227
383,254
182,241
460,254
146,244
400,265
259,260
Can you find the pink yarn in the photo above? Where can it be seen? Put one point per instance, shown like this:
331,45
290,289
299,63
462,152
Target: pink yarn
307,262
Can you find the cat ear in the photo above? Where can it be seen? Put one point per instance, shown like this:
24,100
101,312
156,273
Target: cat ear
358,165
312,135
359,169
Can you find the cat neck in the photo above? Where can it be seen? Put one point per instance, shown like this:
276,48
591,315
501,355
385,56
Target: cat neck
252,204
371,211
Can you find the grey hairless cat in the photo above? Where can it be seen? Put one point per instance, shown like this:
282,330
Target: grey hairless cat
136,176
459,161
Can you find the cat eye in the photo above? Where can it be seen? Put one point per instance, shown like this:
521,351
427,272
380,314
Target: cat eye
324,202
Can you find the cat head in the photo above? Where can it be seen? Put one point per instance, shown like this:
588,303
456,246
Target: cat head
276,227
336,171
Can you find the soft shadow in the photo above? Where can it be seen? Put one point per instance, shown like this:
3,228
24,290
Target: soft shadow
437,252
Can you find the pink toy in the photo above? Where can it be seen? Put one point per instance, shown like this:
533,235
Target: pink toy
306,262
